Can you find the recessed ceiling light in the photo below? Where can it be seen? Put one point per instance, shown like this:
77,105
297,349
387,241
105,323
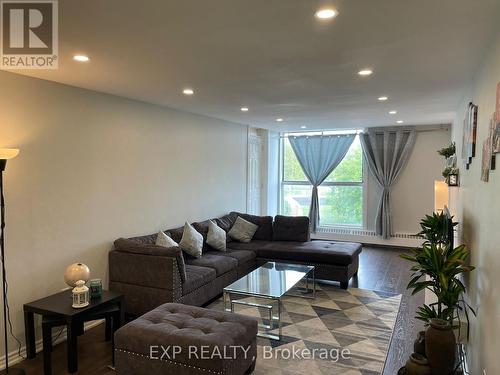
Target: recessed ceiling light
279,119
383,98
188,91
365,72
303,127
393,112
326,13
244,109
81,58
400,121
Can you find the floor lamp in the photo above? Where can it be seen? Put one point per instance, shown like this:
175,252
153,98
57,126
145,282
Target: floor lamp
5,154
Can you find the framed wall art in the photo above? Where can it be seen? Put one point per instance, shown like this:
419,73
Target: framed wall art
496,129
470,134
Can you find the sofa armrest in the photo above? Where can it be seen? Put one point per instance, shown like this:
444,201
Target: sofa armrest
154,271
132,247
291,228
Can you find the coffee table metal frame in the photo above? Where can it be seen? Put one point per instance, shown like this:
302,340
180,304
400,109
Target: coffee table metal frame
278,299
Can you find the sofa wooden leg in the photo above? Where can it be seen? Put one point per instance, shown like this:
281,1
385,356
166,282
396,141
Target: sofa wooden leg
344,284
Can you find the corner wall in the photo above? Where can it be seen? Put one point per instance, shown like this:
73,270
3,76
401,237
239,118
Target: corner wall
95,167
476,205
412,196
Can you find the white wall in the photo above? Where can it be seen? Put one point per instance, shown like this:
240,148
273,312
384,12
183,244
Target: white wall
94,167
412,196
477,206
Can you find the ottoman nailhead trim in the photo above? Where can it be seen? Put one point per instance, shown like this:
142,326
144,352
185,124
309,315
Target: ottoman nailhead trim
166,360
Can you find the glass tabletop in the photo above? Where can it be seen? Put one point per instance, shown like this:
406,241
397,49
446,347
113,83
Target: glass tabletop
270,280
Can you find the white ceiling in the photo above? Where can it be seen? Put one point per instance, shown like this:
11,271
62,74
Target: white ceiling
276,58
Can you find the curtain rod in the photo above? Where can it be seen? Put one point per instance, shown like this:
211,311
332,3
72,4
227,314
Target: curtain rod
418,129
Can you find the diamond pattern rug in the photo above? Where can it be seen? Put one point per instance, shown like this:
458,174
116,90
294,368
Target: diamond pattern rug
358,320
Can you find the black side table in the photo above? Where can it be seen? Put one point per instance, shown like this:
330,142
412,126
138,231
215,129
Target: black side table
58,306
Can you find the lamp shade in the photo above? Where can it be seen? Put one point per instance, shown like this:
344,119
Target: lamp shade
8,153
76,272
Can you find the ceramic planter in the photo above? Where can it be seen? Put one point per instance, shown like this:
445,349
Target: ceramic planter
419,344
417,365
440,347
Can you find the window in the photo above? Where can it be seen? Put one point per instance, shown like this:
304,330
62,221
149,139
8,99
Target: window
340,195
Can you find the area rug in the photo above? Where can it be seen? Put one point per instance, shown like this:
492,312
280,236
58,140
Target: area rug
355,322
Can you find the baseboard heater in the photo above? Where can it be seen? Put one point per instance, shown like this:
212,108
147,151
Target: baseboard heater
363,232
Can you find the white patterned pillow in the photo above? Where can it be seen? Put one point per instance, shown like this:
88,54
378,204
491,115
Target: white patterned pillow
216,236
163,240
242,230
192,241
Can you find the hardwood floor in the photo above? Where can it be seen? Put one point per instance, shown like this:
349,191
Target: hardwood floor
383,269
380,269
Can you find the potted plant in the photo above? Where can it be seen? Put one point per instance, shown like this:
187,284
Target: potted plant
448,151
436,227
451,169
437,268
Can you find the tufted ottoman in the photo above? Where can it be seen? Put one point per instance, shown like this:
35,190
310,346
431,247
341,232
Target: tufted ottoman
180,339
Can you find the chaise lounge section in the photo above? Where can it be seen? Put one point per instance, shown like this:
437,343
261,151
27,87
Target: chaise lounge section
150,275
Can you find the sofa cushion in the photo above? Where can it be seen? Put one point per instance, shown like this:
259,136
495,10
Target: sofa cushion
242,256
265,223
291,228
196,277
252,245
226,222
149,239
220,263
202,228
242,230
132,246
328,252
175,233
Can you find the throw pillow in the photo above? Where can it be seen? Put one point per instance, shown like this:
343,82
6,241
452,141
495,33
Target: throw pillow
242,230
192,241
265,224
216,236
163,240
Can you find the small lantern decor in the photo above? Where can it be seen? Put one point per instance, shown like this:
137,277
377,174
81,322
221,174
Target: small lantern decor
81,295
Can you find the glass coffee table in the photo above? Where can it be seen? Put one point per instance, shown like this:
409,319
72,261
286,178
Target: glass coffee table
271,282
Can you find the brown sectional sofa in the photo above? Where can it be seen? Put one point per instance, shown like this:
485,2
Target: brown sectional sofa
150,275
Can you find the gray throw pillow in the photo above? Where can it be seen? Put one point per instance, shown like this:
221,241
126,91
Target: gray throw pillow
163,240
216,237
242,230
192,241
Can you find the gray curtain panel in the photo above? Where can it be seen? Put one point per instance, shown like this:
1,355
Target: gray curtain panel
319,156
386,151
